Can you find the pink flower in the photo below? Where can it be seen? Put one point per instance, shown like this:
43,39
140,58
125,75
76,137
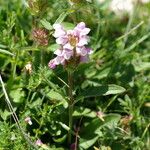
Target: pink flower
28,120
84,59
72,45
52,64
59,31
81,29
38,142
83,51
60,34
100,115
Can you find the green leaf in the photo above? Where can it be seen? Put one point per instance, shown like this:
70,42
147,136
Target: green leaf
102,73
3,46
92,131
96,124
17,95
53,47
36,103
61,17
142,66
114,89
6,52
29,48
85,144
68,26
55,95
101,90
88,135
61,139
80,111
111,119
4,114
66,127
46,24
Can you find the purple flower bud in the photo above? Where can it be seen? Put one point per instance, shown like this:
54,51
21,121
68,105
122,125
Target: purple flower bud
38,142
52,64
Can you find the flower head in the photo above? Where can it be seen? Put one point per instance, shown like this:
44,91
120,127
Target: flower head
72,45
28,67
144,1
40,35
100,115
28,120
121,7
38,142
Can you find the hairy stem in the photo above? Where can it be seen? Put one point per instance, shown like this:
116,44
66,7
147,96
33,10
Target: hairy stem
71,103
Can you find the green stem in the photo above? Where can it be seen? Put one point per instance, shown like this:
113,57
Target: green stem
130,24
15,65
71,104
42,57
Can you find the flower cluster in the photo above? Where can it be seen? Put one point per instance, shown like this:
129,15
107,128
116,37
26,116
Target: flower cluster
121,7
72,43
40,35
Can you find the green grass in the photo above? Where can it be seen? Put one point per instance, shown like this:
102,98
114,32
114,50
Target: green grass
116,80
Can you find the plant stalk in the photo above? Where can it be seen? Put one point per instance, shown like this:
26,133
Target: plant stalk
71,104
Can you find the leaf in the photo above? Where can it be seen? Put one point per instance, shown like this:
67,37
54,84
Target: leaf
85,144
3,46
17,95
102,73
61,139
127,50
142,66
36,103
66,127
111,119
91,132
6,52
88,134
80,111
101,90
29,48
46,24
55,95
61,18
53,47
68,26
114,89
4,114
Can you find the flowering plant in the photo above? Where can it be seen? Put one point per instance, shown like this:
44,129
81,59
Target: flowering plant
71,52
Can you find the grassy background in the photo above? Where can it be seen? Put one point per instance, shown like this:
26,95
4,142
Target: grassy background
121,57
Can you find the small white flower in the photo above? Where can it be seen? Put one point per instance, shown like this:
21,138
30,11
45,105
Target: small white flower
120,7
28,67
28,120
144,1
